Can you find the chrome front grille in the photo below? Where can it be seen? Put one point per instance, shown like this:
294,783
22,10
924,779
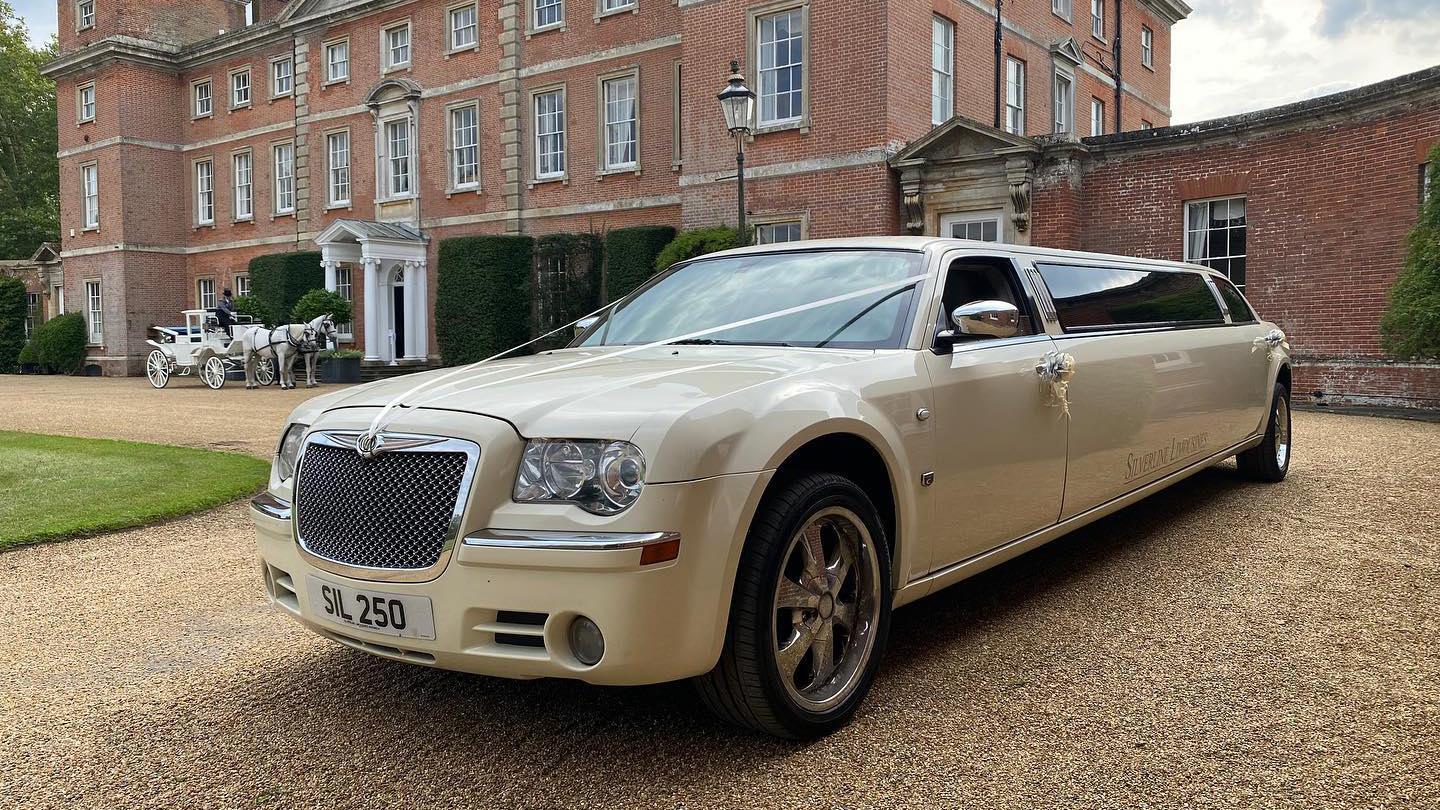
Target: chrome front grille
395,512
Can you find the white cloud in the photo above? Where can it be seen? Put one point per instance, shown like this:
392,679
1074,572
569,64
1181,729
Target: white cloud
1233,56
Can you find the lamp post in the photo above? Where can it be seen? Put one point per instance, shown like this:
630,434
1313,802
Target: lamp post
738,103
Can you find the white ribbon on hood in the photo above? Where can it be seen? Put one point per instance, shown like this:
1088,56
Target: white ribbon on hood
379,422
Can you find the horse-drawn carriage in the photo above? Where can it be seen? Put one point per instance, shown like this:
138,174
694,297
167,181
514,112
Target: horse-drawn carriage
203,348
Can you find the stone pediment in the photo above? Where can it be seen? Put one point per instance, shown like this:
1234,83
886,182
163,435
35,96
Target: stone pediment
1068,50
304,8
962,137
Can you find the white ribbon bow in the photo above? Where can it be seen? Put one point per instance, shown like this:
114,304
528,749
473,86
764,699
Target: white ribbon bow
1270,342
1056,369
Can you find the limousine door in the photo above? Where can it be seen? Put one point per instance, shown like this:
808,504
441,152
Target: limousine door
1000,448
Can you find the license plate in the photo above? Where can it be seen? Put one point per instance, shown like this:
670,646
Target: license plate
392,614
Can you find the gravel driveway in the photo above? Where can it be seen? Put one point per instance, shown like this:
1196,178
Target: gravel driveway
1222,644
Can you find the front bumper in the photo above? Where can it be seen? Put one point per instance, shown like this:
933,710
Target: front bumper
504,603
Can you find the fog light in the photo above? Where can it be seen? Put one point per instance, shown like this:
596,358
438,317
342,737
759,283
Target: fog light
586,641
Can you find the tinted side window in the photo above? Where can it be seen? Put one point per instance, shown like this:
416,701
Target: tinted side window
1108,297
1240,311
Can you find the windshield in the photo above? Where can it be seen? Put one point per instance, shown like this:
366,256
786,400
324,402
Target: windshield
710,293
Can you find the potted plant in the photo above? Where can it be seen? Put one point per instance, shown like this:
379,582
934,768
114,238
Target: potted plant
340,366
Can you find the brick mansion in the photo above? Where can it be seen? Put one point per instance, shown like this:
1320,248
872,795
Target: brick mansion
196,135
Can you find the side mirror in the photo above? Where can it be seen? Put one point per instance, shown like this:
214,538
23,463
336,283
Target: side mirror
585,323
987,318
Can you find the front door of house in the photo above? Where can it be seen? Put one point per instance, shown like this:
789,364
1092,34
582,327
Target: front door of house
397,319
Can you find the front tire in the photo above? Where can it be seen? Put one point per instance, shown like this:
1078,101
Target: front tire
810,614
1270,459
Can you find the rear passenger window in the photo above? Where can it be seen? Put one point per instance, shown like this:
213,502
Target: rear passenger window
1240,311
1097,298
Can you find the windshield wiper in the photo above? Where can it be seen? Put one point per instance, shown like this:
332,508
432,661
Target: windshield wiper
714,342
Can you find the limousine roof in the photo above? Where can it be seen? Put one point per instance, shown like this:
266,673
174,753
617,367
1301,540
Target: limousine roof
927,243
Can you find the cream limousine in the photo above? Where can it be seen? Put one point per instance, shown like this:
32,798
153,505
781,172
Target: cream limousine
736,473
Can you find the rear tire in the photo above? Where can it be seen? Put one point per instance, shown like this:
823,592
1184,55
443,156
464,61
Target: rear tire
1270,459
810,614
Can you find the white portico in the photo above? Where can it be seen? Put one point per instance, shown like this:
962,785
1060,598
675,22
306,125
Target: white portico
396,312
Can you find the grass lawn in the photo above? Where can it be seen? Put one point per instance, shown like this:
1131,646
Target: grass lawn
56,486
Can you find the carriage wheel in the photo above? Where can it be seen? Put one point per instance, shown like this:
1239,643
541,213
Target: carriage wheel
265,372
213,373
157,368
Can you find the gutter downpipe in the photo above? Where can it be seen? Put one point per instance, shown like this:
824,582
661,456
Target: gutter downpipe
1119,38
999,29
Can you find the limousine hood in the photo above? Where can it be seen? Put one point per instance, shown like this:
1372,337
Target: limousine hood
556,395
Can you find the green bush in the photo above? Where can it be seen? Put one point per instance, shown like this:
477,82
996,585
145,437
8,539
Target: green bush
315,303
12,323
697,242
630,257
279,280
30,355
341,354
1410,329
58,345
482,296
250,306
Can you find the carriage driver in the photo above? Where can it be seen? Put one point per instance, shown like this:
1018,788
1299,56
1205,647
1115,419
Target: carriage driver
225,313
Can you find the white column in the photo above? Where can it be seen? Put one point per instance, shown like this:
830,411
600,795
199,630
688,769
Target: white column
331,267
412,295
372,310
422,312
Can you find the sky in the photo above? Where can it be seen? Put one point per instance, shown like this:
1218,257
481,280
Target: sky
1233,56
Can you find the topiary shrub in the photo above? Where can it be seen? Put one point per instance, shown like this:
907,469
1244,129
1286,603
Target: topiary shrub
12,323
279,280
29,356
482,295
1410,329
251,307
630,257
315,303
59,344
697,242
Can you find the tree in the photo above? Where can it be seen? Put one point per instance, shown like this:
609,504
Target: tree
315,303
29,170
1410,329
12,322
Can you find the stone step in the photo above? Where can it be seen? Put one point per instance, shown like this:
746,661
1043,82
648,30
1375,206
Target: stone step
371,370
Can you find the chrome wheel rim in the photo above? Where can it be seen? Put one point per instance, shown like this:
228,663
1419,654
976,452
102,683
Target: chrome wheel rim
213,374
826,607
1282,432
157,369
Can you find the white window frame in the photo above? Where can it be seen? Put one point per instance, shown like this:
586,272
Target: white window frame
560,173
677,146
1146,124
1015,96
1097,116
1186,231
454,144
536,6
1097,19
242,204
235,102
604,8
1147,47
94,313
474,27
204,177
201,293
1062,118
388,60
1064,9
196,98
289,62
282,183
32,312
90,196
942,69
389,160
81,116
242,285
338,177
765,228
329,49
968,218
605,81
344,287
757,18
81,24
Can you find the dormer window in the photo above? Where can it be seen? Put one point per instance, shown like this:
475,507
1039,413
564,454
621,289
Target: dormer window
84,15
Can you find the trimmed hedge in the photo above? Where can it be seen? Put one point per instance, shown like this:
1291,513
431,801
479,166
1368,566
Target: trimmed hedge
315,303
279,280
12,323
483,295
1410,329
630,255
58,345
697,242
250,306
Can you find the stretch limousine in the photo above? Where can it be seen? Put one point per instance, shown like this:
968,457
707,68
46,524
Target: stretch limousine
735,473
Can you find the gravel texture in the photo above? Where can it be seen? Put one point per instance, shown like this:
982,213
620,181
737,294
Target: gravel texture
1221,644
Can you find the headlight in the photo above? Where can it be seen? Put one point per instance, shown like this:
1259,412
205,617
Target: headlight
598,475
289,452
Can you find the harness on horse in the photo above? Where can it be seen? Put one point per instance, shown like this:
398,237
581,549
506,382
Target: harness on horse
307,339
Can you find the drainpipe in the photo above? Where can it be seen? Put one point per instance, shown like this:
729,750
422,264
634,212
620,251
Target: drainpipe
1119,38
999,80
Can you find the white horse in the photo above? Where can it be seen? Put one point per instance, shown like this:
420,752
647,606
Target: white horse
284,343
324,335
